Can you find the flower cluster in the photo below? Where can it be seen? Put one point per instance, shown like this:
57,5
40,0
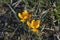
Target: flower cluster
34,24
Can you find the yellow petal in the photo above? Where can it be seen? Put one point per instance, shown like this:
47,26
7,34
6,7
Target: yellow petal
28,23
25,15
22,21
32,24
37,23
25,11
19,15
35,30
32,21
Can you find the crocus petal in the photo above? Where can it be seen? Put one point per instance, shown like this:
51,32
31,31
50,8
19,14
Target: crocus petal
35,30
25,11
29,24
19,15
22,21
37,23
32,24
25,15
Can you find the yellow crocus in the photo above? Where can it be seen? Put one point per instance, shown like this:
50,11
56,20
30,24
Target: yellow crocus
34,24
24,15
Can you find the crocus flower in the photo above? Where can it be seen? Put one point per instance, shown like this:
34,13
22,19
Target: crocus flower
34,24
24,15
